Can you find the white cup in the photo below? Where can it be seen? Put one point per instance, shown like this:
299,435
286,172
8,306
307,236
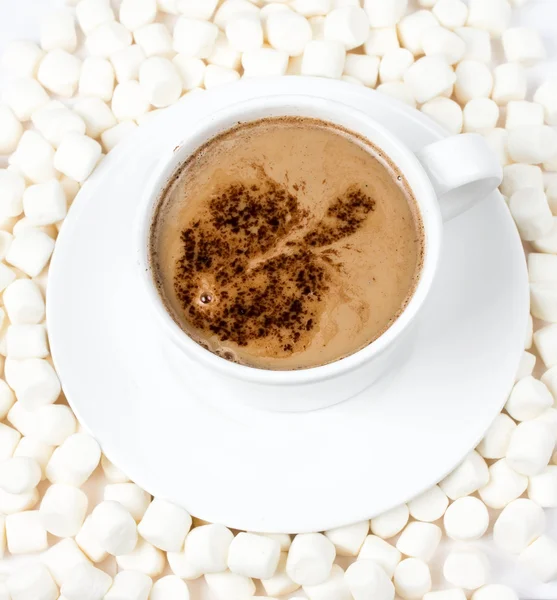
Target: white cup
446,179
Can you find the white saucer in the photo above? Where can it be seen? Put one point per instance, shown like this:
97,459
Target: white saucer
268,471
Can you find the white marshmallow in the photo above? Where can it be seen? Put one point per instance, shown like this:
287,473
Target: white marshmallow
398,90
194,38
529,332
58,32
245,32
412,579
429,506
7,399
551,193
93,13
542,488
88,542
35,449
192,8
473,80
412,28
170,588
348,25
497,140
310,558
224,55
532,145
59,73
494,592
348,539
11,130
130,585
419,540
160,80
480,114
78,155
362,67
288,31
74,461
112,473
115,528
126,62
22,58
521,113
312,8
523,44
505,485
519,524
451,594
25,533
86,582
34,157
531,213
5,241
229,9
44,204
466,568
540,558
130,496
108,39
205,551
63,509
31,582
545,340
165,525
394,64
111,137
334,588
137,13
368,581
144,558
253,556
16,503
96,115
546,95
543,296
381,41
323,58
530,448
34,381
385,14
466,519
24,302
381,552
97,78
450,13
509,83
229,586
264,62
129,101
468,477
438,40
550,380
478,44
155,40
496,441
12,187
9,439
388,524
528,399
192,71
24,96
547,243
518,177
7,276
19,474
492,15
279,584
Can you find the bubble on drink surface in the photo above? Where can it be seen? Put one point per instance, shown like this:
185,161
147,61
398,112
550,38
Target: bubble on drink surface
206,298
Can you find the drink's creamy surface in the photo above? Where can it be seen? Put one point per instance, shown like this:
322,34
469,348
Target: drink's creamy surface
286,243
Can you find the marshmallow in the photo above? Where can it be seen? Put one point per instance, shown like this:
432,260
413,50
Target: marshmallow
63,510
5,241
334,588
521,113
25,533
547,243
191,70
348,539
155,40
466,519
546,95
137,13
367,580
58,32
12,187
542,488
7,399
160,80
526,366
532,145
348,25
112,473
551,193
528,399
215,75
381,552
288,31
11,130
497,140
450,13
35,449
86,583
74,461
531,213
144,558
54,123
264,62
22,58
310,558
412,28
7,276
540,558
229,586
23,302
245,32
34,381
312,8
97,78
523,44
466,568
78,155
518,525
492,15
284,539
130,496
129,101
385,14
115,527
194,38
96,115
530,448
44,204
412,579
229,9
543,296
19,474
429,506
468,477
130,585
388,524
205,551
165,525
478,44
505,485
170,588
362,67
448,44
279,584
126,62
59,73
108,39
398,90
509,83
496,441
24,96
88,543
480,114
518,177
452,594
550,380
473,80
381,41
394,65
16,503
419,540
529,332
545,340
34,157
111,137
323,58
494,592
92,14
224,55
253,556
9,439
31,582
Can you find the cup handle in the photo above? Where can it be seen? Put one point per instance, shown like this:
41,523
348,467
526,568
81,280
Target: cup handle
463,171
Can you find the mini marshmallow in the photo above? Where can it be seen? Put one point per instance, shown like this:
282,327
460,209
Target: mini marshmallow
7,399
480,114
478,44
11,130
19,474
97,78
419,540
129,101
496,441
137,13
395,64
107,39
366,580
279,584
9,439
505,485
381,552
5,241
323,58
388,524
130,585
450,13
130,496
229,586
519,524
523,44
112,137
451,594
192,71
35,449
198,10
310,558
34,381
429,506
334,588
412,28
398,90
86,582
543,296
546,95
542,488
528,399
12,187
144,558
529,332
348,25
58,32
194,38
24,302
547,243
466,519
63,509
7,276
88,543
78,155
494,592
229,9
532,145
530,448
497,140
31,582
25,533
170,588
348,539
284,539
116,530
531,213
245,32
112,473
473,80
59,73
96,114
540,558
16,503
91,14
224,55
253,556
521,113
545,340
74,461
550,380
492,15
412,579
439,40
44,204
362,67
381,41
160,80
509,83
264,62
385,14
288,31
155,40
518,177
24,96
468,477
165,525
22,58
466,568
312,8
126,62
34,157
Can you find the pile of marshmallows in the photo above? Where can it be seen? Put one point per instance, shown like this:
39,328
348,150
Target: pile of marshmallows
439,60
